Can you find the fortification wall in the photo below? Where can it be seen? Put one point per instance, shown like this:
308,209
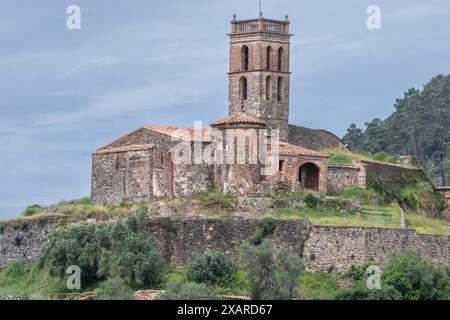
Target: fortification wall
336,248
392,176
342,177
325,248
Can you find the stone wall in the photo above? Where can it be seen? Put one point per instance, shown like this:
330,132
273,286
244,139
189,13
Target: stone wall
22,240
326,248
122,176
393,177
342,177
336,248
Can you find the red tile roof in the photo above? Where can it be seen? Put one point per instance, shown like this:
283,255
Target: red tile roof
186,134
290,149
134,147
238,118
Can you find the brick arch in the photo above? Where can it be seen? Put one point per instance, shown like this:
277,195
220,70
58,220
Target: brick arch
309,176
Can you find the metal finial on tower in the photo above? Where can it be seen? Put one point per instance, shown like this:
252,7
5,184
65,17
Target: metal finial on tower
260,8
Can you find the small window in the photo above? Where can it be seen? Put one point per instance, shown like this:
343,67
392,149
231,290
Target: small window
280,59
268,58
268,88
281,165
161,157
280,89
244,58
243,88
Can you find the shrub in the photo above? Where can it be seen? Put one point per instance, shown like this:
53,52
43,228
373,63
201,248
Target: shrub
270,276
357,273
114,289
187,291
33,210
266,227
359,291
311,200
105,250
318,286
210,267
414,277
408,197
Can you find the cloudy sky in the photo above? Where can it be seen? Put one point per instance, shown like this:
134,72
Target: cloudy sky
64,93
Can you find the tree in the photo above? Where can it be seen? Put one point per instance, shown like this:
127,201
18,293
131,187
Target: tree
414,277
271,276
419,126
103,250
354,137
210,267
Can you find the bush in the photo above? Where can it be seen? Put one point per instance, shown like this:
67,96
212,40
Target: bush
210,267
359,291
406,276
318,286
271,277
414,277
33,210
357,273
114,289
187,291
105,250
311,200
266,227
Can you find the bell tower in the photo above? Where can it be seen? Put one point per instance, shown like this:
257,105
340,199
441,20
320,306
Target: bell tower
259,71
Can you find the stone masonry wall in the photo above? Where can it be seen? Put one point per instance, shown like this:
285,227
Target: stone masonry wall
23,241
342,177
336,248
326,248
392,176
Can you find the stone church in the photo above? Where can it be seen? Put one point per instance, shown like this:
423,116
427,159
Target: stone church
141,164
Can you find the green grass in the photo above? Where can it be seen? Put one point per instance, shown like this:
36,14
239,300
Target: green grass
426,225
357,193
370,216
17,280
215,199
341,156
82,206
317,286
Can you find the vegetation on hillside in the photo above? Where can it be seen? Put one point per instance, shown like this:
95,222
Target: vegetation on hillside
343,156
419,127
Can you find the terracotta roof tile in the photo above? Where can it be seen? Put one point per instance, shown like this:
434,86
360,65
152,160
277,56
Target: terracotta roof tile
134,147
238,118
290,149
186,134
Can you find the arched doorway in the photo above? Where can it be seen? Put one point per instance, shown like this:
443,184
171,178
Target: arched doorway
308,176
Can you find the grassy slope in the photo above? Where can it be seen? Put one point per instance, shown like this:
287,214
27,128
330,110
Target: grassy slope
340,156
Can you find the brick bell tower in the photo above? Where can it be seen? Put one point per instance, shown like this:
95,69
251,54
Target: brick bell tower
259,71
